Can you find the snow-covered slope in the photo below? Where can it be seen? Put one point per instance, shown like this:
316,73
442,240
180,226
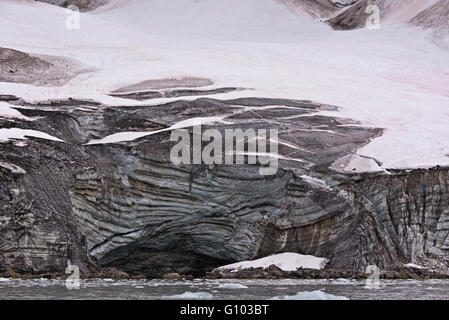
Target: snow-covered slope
394,78
233,20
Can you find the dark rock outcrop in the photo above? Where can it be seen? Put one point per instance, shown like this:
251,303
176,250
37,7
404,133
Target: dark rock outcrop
434,16
39,70
316,8
273,272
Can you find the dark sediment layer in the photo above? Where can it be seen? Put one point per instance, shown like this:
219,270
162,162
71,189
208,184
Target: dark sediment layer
8,97
164,84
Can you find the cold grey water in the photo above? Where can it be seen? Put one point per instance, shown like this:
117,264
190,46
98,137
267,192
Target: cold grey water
289,289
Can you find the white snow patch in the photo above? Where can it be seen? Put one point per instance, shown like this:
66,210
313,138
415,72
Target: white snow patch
363,164
130,135
356,164
311,295
12,167
415,266
7,111
342,281
319,183
287,261
22,134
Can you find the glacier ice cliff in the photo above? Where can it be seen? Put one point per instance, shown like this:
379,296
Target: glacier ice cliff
125,205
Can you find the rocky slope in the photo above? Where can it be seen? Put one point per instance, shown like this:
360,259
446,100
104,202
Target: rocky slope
316,8
83,5
427,13
126,205
39,70
436,16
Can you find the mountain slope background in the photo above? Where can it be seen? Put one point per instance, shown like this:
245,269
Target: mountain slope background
382,78
349,14
83,5
431,13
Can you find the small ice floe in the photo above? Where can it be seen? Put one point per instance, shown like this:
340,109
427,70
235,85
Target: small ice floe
342,281
19,143
287,261
311,295
190,296
232,286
